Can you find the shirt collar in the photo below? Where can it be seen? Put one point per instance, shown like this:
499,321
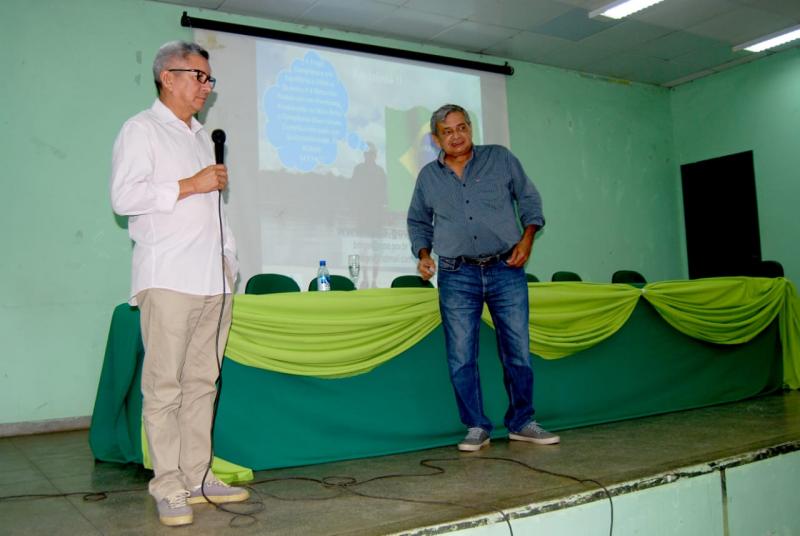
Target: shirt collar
165,115
440,158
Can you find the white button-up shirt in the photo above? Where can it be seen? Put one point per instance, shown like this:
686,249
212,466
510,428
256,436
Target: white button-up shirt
176,243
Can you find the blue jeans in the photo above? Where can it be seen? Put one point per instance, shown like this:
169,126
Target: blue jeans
463,290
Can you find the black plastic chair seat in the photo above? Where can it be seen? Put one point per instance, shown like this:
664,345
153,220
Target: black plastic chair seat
410,281
270,284
563,275
629,277
338,282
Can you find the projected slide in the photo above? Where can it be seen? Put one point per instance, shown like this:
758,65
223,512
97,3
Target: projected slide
305,111
335,141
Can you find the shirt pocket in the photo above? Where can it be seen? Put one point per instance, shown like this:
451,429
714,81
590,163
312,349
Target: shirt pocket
491,194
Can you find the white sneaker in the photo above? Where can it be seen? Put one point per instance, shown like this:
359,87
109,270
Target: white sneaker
533,433
173,510
218,491
476,439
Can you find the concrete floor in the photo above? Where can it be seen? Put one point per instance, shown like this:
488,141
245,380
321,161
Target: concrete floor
388,494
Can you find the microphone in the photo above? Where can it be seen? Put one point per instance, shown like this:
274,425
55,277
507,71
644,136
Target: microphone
218,137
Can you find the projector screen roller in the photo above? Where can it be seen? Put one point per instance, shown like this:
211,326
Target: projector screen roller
324,147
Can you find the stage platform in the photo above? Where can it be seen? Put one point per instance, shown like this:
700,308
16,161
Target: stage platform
730,469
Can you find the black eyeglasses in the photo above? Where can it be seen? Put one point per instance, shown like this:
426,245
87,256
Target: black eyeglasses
200,75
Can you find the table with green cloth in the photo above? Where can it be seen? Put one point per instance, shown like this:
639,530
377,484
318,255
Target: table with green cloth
314,377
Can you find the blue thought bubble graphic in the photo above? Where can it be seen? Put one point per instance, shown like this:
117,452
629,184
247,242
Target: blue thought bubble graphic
355,142
306,113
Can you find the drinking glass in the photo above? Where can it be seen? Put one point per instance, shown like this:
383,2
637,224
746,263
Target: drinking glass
354,266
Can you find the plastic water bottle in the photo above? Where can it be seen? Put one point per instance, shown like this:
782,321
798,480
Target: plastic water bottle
323,277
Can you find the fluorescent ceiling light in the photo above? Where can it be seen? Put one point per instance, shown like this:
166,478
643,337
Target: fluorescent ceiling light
771,40
622,8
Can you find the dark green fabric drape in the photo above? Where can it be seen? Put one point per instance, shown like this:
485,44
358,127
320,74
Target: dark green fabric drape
286,349
338,334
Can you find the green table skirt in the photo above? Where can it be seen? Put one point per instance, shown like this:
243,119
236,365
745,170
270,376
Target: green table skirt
268,419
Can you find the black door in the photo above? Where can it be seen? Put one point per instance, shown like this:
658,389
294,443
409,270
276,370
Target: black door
721,216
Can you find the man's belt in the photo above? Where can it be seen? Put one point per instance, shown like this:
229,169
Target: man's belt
488,260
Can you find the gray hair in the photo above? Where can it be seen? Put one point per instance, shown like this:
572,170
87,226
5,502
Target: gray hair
170,51
439,115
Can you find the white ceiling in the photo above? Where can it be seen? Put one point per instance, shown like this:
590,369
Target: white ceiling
667,44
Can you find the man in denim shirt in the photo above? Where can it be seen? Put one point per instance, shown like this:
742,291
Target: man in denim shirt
464,208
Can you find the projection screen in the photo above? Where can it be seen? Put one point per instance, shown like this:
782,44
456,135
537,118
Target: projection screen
324,147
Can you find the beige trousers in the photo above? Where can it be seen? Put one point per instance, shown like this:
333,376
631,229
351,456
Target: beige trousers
179,383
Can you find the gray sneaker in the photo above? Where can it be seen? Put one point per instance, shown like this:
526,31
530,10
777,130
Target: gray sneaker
173,510
534,433
476,439
218,492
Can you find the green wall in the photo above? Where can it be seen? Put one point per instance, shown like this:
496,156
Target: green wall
72,73
601,152
752,107
602,155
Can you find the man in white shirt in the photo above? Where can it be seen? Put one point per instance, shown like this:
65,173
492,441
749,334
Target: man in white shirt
165,180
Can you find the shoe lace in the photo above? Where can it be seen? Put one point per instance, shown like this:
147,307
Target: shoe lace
534,427
178,499
474,433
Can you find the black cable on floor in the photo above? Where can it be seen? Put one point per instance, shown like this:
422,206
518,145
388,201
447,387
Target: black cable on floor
259,506
348,484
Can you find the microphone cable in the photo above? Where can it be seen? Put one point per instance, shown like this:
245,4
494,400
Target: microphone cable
348,484
218,506
341,485
216,351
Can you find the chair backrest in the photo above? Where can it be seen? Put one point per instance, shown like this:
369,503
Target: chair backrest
410,281
565,276
338,282
270,284
531,278
628,276
768,269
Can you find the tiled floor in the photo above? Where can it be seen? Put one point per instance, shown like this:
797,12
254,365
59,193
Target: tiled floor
389,494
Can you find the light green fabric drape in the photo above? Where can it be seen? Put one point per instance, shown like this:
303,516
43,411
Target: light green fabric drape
728,310
733,310
790,337
568,317
335,334
329,334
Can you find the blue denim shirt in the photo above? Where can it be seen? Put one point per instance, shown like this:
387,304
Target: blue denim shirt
473,216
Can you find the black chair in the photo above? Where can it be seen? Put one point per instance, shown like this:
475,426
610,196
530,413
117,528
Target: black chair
630,277
565,276
410,281
768,269
338,282
531,278
270,284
